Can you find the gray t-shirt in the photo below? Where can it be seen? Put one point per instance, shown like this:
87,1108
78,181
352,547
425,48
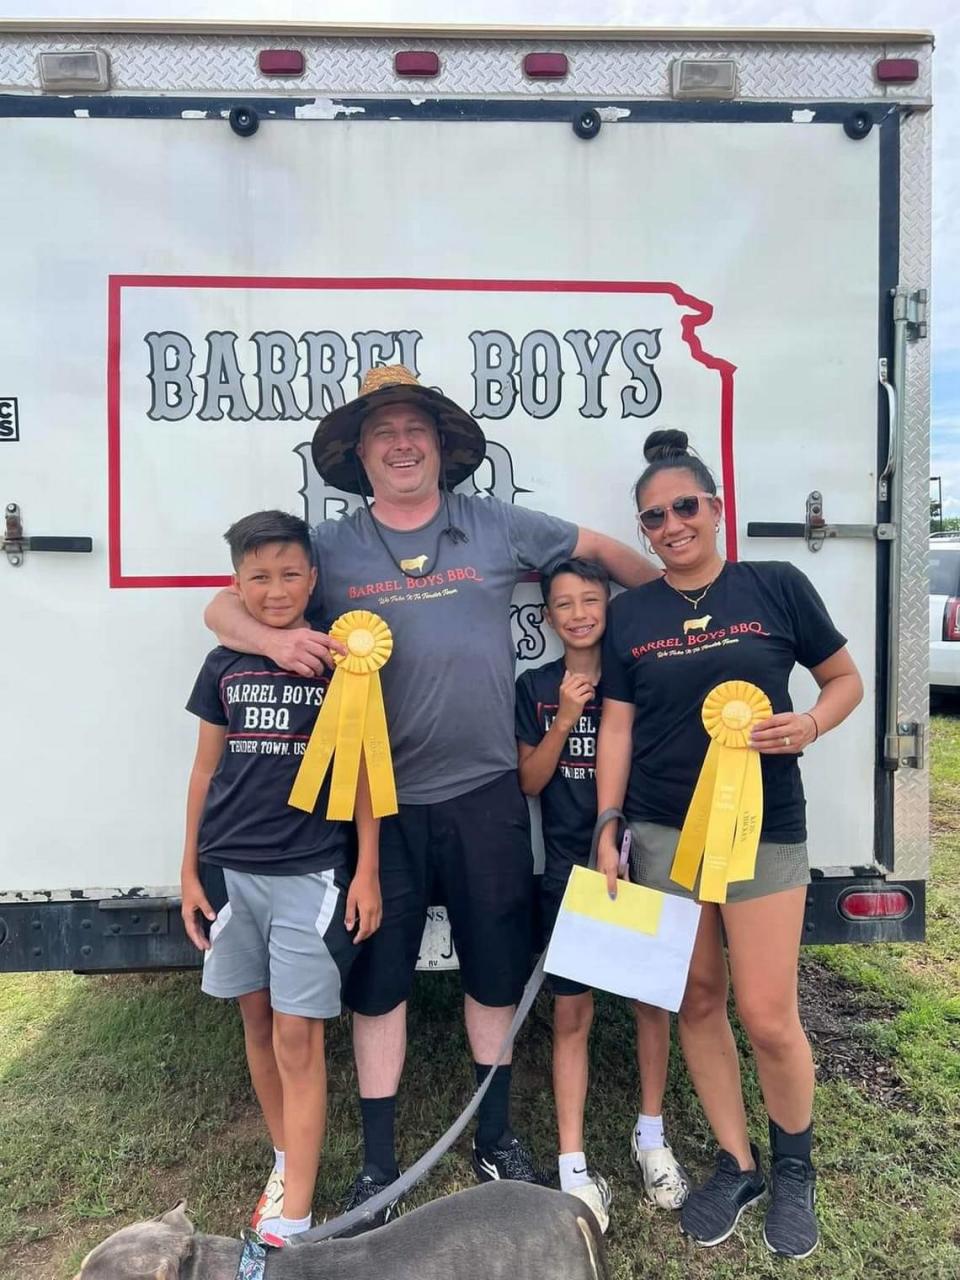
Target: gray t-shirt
448,686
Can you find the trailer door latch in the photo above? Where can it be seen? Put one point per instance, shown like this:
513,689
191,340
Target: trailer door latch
16,543
815,529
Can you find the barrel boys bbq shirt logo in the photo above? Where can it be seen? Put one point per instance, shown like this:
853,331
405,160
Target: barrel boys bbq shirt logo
290,374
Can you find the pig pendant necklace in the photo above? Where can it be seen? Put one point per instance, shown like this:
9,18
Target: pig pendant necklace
694,601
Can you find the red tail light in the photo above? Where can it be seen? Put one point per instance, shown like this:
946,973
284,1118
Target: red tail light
951,619
876,904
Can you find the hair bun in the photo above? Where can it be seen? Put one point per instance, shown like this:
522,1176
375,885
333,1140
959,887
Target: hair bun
665,444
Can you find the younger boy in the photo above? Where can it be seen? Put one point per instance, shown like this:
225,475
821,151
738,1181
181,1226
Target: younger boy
273,882
558,716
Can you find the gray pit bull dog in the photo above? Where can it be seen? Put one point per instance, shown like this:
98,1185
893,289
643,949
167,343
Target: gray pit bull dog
497,1231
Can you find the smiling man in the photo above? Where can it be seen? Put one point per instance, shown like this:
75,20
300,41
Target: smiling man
440,568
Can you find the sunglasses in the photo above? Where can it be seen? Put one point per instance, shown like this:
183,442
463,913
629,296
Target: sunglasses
685,508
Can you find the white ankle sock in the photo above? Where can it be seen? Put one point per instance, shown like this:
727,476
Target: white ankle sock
573,1170
285,1227
649,1132
279,1158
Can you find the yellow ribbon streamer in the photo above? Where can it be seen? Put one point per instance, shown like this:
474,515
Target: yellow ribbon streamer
351,724
722,828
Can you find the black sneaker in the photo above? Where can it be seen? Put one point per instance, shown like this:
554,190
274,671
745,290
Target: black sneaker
711,1212
510,1160
365,1186
791,1227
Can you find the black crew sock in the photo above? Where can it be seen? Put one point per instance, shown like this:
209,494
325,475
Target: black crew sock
378,1116
797,1146
493,1117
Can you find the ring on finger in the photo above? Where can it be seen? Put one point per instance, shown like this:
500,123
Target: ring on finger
786,742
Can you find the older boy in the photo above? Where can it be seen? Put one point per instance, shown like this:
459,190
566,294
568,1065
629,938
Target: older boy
558,715
269,877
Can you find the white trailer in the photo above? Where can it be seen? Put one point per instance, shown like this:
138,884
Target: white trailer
211,230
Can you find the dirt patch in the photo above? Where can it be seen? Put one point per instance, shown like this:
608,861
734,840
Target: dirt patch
833,1013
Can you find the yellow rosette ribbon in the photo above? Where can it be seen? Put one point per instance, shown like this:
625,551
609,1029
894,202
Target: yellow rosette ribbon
722,826
351,723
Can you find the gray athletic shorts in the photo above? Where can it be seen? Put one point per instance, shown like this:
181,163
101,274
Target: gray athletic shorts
285,933
779,866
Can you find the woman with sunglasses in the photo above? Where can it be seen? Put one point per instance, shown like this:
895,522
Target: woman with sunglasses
667,644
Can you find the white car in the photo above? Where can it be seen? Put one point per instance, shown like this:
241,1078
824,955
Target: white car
945,612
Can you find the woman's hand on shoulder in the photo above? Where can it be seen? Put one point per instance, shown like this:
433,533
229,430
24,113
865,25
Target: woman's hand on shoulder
785,734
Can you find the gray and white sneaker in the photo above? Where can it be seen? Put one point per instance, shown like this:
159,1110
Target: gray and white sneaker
664,1178
597,1196
711,1212
790,1228
509,1160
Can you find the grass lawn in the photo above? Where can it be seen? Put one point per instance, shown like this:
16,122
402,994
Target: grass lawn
120,1095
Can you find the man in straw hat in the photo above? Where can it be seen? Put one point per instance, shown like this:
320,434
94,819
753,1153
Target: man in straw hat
440,568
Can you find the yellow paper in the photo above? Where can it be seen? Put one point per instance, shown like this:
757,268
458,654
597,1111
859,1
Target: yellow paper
635,907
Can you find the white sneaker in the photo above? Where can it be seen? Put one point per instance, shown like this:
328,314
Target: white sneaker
664,1179
270,1204
597,1196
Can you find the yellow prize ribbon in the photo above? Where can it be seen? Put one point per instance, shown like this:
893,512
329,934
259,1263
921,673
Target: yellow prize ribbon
351,723
722,826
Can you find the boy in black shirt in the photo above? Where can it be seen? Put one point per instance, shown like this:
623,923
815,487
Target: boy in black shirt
270,879
558,715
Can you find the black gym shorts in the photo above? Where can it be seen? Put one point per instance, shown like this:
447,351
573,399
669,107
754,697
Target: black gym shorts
472,855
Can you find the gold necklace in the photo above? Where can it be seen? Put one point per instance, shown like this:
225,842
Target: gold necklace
695,600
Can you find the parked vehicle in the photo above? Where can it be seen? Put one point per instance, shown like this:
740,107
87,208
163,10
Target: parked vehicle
945,612
213,230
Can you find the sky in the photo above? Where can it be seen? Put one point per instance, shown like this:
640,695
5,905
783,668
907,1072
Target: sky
940,16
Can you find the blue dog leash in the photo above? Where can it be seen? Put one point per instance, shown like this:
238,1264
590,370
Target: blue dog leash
364,1214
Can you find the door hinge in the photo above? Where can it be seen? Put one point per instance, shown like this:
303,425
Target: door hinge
911,306
905,747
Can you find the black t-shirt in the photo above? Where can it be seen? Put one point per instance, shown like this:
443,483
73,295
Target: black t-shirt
268,713
568,803
660,653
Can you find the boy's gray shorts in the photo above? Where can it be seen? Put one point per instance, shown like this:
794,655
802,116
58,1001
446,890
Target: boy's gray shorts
652,846
285,933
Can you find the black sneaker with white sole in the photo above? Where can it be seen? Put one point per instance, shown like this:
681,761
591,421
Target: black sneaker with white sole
509,1159
365,1186
711,1212
790,1228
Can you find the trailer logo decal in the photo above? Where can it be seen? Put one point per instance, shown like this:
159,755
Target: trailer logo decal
9,420
541,358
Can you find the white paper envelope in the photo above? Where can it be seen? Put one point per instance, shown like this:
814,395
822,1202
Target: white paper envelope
638,945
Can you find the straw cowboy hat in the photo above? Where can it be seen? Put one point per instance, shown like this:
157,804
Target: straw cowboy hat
462,443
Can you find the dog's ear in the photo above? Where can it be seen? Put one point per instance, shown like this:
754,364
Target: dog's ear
177,1218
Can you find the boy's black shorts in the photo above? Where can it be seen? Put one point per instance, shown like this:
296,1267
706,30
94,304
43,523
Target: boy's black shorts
552,888
472,855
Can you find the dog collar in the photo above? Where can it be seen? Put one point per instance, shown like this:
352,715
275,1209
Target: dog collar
253,1261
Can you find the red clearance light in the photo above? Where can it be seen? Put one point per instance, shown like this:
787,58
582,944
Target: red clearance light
281,62
545,66
876,904
897,70
951,619
421,63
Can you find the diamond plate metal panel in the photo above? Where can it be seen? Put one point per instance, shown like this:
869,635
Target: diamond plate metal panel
911,786
354,66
